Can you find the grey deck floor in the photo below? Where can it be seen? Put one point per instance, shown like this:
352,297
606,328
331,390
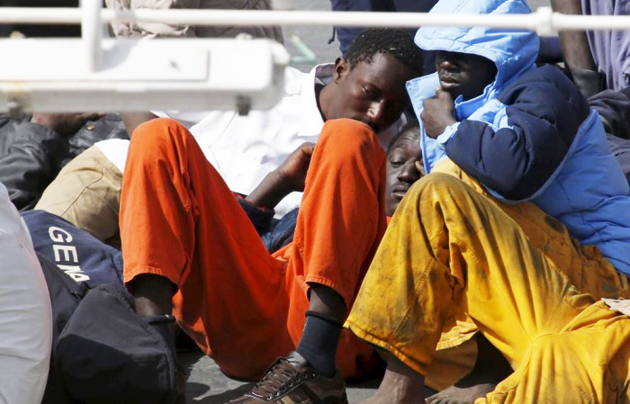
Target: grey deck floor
206,384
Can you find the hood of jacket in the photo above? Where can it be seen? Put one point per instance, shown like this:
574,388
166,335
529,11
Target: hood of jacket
513,51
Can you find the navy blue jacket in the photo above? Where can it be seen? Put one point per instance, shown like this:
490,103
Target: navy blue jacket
530,136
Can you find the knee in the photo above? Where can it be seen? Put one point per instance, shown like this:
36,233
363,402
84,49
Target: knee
160,138
437,187
158,130
436,181
344,138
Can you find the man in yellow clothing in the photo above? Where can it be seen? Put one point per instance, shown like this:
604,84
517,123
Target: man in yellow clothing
520,228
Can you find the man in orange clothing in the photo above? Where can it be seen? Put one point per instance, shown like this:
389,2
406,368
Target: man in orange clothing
190,250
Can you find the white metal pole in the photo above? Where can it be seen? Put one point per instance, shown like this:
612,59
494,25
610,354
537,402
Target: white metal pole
91,33
543,21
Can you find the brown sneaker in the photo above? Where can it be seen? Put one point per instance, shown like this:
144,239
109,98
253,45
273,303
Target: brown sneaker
285,383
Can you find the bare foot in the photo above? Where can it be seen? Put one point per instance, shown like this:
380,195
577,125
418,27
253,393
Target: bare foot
461,395
400,385
490,368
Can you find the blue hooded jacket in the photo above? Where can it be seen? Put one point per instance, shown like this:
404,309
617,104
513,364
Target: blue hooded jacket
530,136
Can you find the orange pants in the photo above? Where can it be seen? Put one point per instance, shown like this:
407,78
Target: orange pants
242,305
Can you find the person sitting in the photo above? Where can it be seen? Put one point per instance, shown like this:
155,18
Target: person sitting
597,60
244,149
32,151
403,165
516,233
190,250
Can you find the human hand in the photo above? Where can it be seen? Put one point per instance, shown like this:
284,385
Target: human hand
293,170
66,124
287,178
438,113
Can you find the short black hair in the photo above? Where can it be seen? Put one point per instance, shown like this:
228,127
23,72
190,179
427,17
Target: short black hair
394,41
411,124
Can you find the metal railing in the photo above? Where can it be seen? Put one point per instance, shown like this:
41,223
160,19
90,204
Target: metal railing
17,92
544,21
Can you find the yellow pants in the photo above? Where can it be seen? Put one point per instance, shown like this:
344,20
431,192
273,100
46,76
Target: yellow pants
452,254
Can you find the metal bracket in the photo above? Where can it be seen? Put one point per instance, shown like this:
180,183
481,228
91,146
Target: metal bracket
243,105
15,109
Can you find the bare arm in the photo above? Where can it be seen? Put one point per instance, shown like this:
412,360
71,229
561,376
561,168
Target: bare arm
287,178
577,52
575,48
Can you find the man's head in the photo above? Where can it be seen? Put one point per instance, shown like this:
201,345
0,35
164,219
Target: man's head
370,83
403,158
513,51
464,74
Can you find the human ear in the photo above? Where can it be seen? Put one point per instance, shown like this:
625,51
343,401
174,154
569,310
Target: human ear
419,166
341,68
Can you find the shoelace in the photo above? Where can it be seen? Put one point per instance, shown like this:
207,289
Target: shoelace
279,378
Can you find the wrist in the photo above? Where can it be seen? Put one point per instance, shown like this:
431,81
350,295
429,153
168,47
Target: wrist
283,183
449,120
448,132
446,123
270,191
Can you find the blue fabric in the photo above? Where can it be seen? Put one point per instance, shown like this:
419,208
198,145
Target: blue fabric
550,50
346,35
530,136
74,251
513,51
280,232
620,148
610,49
274,233
614,109
85,259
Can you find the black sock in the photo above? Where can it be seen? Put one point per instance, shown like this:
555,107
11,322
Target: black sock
318,344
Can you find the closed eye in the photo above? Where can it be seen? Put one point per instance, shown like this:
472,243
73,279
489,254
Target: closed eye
371,92
396,163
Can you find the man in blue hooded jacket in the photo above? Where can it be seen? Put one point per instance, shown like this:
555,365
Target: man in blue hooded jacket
519,230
